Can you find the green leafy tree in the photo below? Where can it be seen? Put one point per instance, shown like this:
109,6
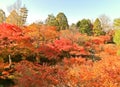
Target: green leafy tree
97,29
62,21
51,20
117,23
85,26
78,24
116,39
2,16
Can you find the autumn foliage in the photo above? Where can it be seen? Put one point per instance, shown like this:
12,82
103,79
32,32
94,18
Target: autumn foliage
40,56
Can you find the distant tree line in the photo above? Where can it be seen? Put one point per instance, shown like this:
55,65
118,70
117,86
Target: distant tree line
99,27
17,16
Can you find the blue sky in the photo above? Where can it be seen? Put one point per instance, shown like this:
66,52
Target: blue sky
74,9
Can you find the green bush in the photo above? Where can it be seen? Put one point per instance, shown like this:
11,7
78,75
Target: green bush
116,37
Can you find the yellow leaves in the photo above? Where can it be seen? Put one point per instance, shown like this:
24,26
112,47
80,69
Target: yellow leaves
111,49
14,18
73,74
103,73
41,33
76,61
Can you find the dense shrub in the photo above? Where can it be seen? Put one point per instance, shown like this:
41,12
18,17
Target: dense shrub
57,59
13,42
